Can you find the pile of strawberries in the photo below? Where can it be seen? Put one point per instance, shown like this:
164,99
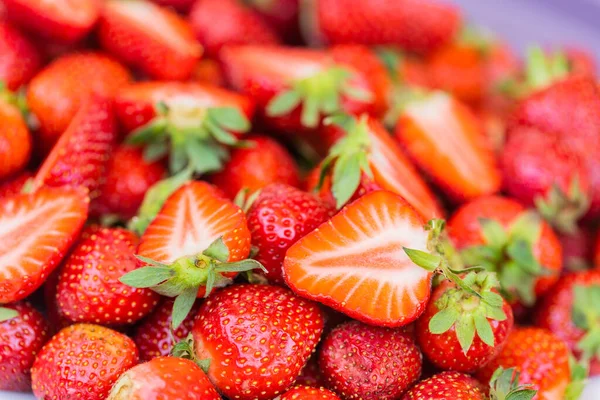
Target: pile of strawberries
257,200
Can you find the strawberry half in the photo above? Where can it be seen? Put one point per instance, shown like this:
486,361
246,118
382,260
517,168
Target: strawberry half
81,155
63,20
36,231
191,122
149,37
198,241
355,262
293,87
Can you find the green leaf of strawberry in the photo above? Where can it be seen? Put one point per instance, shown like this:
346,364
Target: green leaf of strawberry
504,385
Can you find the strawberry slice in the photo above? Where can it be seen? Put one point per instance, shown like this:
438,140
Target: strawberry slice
198,241
355,262
36,230
149,37
80,157
63,20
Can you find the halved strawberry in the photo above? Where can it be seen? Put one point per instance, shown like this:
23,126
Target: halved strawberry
444,138
36,230
295,87
149,37
192,122
80,157
63,20
198,241
355,262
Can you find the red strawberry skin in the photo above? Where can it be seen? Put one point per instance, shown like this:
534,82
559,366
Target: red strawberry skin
20,58
258,338
21,337
179,5
362,361
89,289
277,219
15,140
414,25
238,24
151,38
447,385
58,91
253,168
128,177
153,334
59,215
555,311
82,360
444,350
578,249
64,21
309,393
81,155
14,185
165,378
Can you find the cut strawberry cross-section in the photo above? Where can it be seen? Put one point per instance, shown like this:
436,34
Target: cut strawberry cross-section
356,263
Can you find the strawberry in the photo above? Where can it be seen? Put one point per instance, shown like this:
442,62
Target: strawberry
282,16
541,359
311,373
179,5
198,120
295,87
97,296
362,361
153,335
540,170
444,139
569,312
167,378
14,185
23,332
20,58
262,162
581,61
56,93
199,240
414,25
461,331
578,249
366,154
208,71
251,360
151,38
308,393
59,214
330,264
497,233
74,363
277,219
81,155
127,179
15,140
447,385
62,20
238,24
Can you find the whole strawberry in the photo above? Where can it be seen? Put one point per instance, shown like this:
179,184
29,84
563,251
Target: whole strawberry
23,332
263,162
154,335
308,393
82,361
165,378
362,361
257,337
447,385
462,331
20,58
89,289
15,140
278,217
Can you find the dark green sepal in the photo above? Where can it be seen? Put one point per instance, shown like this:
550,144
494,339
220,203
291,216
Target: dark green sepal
563,210
186,349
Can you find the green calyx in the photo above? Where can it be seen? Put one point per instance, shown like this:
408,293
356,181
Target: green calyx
186,349
509,252
477,38
563,210
579,374
19,100
7,313
320,96
191,136
504,385
586,316
245,198
183,278
542,70
155,198
348,158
